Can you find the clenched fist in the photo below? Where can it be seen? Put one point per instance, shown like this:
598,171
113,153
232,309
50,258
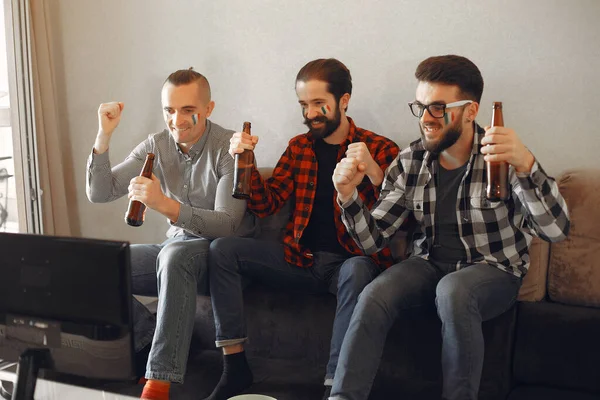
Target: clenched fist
348,174
109,115
361,153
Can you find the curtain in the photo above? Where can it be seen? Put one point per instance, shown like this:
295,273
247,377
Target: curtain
53,148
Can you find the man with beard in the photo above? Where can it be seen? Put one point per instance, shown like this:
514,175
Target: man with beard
316,255
469,254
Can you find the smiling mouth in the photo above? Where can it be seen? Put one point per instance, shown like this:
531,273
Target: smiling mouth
431,129
180,130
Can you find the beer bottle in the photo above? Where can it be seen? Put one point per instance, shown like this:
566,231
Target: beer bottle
137,210
243,170
497,172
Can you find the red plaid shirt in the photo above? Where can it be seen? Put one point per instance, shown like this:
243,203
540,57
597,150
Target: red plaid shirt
295,175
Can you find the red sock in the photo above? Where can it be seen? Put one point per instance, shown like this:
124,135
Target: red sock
156,390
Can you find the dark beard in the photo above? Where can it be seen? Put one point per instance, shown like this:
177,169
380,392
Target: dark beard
450,137
330,124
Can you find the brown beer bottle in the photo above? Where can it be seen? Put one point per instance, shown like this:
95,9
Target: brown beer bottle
243,170
137,210
497,172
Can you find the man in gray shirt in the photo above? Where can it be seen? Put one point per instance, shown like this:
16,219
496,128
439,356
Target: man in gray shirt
191,186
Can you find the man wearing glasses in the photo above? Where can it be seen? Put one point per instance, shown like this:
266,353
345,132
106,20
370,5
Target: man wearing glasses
469,254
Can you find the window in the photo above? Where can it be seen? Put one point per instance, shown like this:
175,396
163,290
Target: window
19,204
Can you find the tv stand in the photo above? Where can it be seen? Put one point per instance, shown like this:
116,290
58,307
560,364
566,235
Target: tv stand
28,368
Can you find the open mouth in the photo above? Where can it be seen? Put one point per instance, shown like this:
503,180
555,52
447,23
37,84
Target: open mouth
431,129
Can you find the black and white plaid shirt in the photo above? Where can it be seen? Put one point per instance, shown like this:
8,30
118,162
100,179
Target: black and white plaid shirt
497,233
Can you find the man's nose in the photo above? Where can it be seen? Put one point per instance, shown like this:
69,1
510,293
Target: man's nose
312,112
427,117
178,119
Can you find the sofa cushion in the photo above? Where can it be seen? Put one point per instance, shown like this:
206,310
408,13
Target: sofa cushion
574,268
533,287
291,331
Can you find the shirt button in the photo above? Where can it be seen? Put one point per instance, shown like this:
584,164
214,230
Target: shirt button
311,184
183,225
418,206
306,208
185,186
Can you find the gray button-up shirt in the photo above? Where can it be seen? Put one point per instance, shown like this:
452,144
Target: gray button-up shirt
201,181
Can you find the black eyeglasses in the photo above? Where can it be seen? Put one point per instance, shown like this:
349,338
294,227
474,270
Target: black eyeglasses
435,110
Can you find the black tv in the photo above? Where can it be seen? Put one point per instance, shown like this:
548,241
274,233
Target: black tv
65,307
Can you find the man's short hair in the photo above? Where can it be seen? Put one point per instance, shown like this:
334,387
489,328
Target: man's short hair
187,76
452,70
329,70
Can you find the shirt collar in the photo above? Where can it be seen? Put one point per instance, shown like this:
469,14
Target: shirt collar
199,145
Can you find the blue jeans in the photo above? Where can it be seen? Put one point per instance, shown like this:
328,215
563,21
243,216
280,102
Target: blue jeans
233,258
463,298
175,271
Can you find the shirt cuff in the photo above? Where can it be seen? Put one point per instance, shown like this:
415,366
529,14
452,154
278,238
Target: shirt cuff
353,206
99,159
185,217
532,179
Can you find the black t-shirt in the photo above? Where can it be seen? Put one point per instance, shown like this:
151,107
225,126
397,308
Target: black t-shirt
320,233
447,246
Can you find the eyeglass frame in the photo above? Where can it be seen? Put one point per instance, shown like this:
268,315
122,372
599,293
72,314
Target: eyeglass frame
445,106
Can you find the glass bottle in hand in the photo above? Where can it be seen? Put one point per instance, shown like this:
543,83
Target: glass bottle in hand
137,210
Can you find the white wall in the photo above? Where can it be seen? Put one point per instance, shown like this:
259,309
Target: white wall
540,57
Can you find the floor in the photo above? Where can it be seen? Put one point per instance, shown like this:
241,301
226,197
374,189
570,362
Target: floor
204,371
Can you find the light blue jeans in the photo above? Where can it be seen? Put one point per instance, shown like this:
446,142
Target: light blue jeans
233,260
175,271
463,298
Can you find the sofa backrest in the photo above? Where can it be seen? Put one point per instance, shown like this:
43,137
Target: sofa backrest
574,265
569,271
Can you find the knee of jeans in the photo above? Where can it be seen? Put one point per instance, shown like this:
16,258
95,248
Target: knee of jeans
221,250
356,273
371,301
177,257
452,294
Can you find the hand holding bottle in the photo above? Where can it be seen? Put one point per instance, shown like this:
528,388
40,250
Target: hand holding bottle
503,144
241,141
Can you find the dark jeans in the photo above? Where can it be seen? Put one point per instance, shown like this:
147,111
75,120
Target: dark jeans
232,260
463,299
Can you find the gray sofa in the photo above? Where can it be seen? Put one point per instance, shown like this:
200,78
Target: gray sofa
546,347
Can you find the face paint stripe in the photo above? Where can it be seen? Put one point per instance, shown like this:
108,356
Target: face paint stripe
194,119
324,110
448,117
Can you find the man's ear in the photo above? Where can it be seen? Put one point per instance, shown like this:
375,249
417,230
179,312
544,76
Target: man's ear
344,101
472,111
209,108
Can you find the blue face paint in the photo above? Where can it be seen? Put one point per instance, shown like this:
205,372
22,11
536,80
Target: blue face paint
195,119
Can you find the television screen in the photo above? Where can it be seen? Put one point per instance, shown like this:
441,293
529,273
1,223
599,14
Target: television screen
71,298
